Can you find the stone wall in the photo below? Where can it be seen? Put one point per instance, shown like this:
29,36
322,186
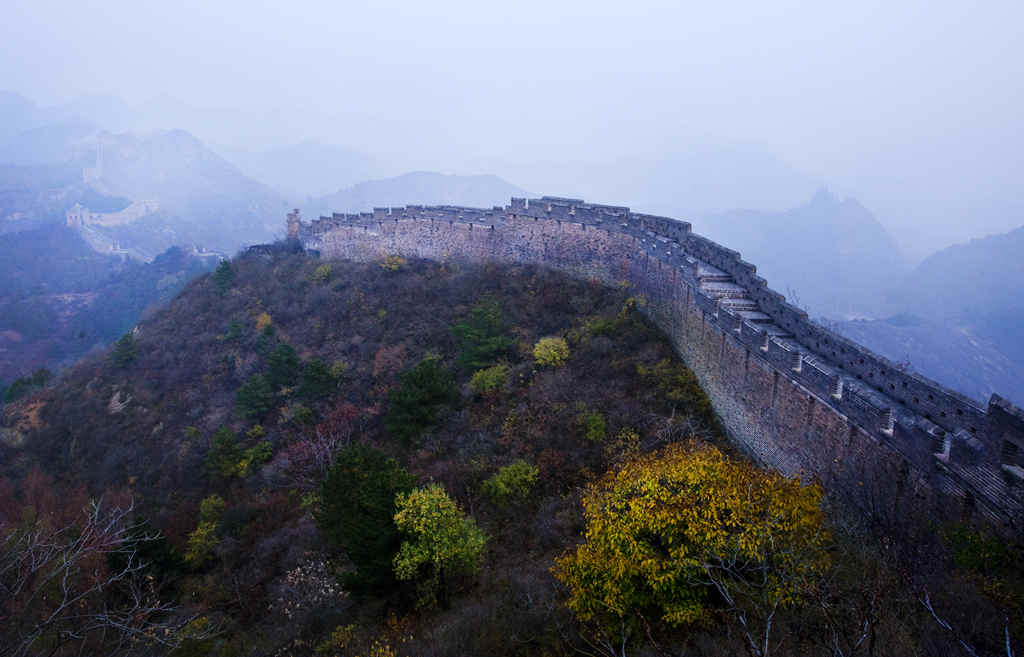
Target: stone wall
796,396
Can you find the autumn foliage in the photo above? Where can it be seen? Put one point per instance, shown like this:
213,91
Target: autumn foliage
672,533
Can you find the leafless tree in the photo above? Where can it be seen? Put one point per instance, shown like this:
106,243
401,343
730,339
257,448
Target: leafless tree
926,602
82,589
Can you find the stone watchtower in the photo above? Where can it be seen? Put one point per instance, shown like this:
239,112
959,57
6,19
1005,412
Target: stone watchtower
293,224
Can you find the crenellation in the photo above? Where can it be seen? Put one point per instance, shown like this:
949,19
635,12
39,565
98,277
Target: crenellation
782,383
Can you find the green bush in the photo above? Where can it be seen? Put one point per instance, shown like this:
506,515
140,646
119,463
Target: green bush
322,274
483,337
284,367
224,276
234,331
678,388
124,351
203,540
420,399
511,484
255,397
299,415
356,511
318,380
441,541
253,458
606,326
224,454
24,384
593,426
490,380
551,352
201,543
211,508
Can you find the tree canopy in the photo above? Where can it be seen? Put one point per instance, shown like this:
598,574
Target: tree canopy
440,541
357,511
672,533
418,401
483,335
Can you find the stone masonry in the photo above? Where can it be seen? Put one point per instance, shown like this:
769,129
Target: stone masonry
794,395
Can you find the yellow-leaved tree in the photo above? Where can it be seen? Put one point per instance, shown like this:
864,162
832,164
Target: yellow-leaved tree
675,534
440,542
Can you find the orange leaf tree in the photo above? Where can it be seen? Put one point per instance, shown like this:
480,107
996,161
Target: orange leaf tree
676,533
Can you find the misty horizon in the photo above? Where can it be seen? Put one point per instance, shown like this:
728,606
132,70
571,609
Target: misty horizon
910,109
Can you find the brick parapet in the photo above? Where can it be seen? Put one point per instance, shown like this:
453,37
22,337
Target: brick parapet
936,430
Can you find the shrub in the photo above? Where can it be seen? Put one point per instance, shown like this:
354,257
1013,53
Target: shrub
263,321
224,276
417,403
356,511
678,387
224,453
203,540
211,508
441,541
318,380
593,426
551,352
322,274
298,414
23,384
124,351
512,483
255,397
234,331
284,367
392,263
606,326
490,380
483,336
253,458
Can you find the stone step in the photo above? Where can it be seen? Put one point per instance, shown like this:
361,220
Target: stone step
724,290
755,316
740,303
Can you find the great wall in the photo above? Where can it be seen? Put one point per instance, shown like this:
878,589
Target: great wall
794,395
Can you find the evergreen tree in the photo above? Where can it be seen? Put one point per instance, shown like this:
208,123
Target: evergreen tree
255,397
284,366
484,336
124,351
418,402
318,381
224,276
357,512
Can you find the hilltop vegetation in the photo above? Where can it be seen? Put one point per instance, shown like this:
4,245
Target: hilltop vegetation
417,458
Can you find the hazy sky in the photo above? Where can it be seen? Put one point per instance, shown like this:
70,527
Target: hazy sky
914,107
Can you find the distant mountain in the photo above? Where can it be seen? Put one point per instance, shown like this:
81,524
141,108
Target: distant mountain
53,143
982,277
18,114
201,198
421,187
680,178
957,356
33,196
970,296
307,169
830,255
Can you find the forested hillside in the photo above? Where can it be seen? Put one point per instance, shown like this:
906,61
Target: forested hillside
60,299
299,457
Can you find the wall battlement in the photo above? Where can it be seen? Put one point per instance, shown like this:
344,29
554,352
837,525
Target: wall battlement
797,396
